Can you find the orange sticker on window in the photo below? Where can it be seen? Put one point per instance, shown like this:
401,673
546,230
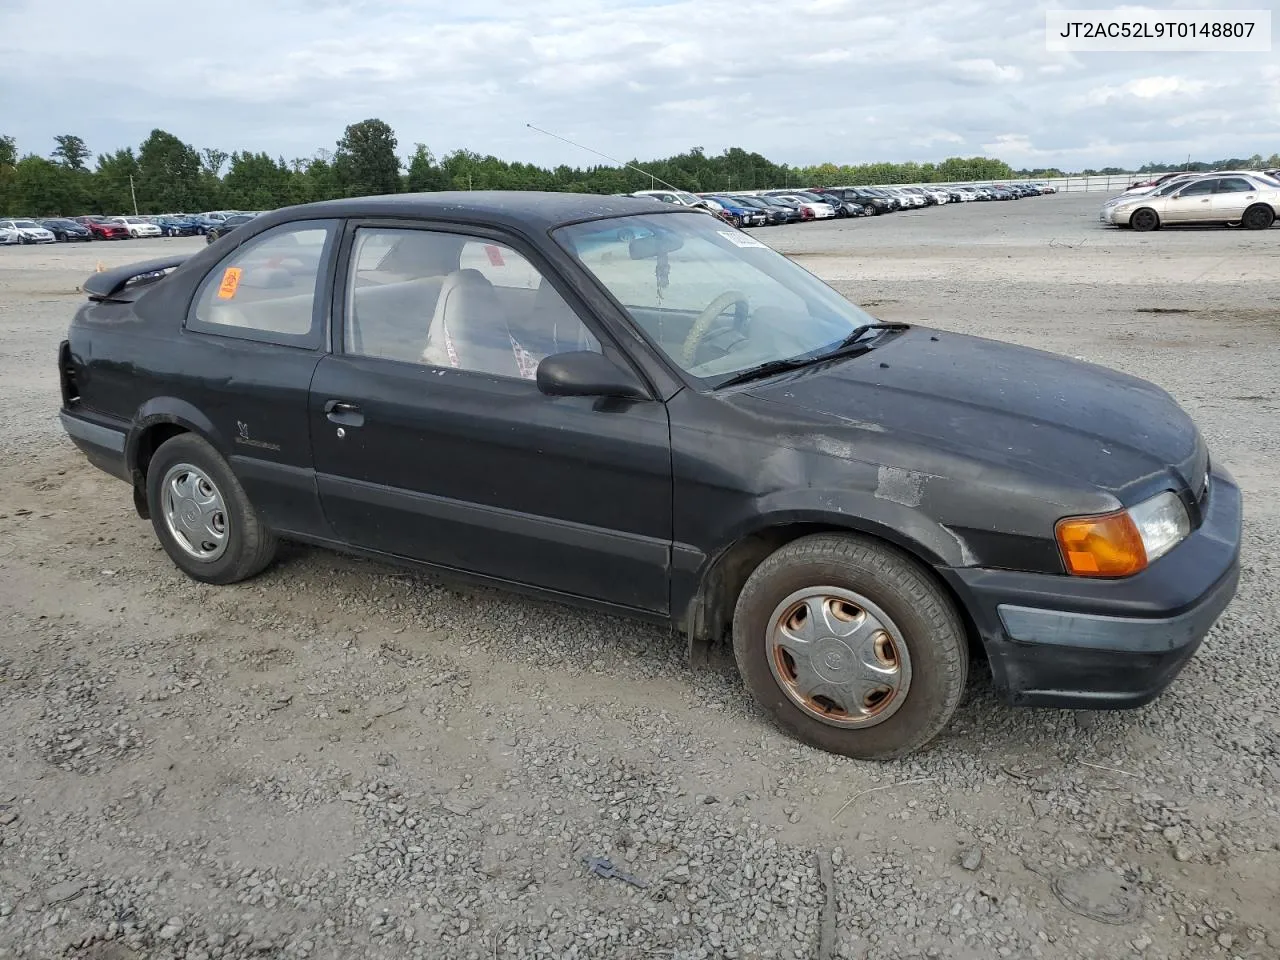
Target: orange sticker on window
495,255
230,282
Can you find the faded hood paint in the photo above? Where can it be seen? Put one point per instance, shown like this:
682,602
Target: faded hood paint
1010,406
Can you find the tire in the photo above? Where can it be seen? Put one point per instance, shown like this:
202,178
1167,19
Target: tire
920,641
1144,219
248,546
1258,217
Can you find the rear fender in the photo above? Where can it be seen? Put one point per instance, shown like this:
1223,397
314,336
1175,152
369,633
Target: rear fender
167,410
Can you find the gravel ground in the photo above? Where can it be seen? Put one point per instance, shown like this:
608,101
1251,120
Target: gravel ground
340,759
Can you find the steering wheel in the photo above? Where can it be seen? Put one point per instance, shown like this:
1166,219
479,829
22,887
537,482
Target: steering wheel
703,321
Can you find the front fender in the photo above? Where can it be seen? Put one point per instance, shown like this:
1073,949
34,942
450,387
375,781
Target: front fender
704,583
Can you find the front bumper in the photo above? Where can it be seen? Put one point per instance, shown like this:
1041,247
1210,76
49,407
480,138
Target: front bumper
1082,643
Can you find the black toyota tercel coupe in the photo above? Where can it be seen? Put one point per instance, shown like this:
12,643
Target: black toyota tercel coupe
640,409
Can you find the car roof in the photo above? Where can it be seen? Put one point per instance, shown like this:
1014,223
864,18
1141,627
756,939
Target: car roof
529,211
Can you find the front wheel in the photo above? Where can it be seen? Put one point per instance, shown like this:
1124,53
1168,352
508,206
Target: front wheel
850,646
1258,217
1144,220
201,514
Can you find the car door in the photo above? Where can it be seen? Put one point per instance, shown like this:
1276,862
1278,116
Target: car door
432,441
1192,203
254,332
1230,199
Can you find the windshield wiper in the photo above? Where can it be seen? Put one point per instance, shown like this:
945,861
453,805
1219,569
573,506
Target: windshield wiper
766,369
847,345
857,334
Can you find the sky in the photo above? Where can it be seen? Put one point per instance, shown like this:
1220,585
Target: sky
800,81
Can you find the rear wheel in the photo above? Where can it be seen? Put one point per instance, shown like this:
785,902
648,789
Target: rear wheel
201,514
1258,217
850,646
1144,220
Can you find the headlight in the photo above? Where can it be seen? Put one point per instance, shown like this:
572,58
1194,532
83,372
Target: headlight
1123,543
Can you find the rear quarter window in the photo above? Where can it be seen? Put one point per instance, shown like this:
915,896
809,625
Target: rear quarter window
270,288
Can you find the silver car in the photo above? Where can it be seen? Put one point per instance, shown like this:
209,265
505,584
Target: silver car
1249,199
28,231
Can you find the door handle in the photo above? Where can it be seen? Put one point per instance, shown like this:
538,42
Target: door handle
347,414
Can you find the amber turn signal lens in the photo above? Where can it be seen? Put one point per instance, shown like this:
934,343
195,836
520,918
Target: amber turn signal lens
1106,546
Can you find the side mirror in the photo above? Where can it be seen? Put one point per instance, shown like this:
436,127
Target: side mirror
583,373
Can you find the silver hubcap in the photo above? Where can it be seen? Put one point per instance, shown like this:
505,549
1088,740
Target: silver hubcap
194,512
838,657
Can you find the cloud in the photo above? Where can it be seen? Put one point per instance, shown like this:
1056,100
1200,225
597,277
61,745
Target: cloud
1148,88
801,81
937,137
986,70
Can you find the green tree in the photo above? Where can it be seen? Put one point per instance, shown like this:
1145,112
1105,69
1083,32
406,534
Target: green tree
71,151
168,174
212,160
256,182
8,159
366,160
423,171
320,181
47,188
109,188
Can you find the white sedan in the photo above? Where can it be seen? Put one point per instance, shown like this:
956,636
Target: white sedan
906,197
138,227
27,231
816,210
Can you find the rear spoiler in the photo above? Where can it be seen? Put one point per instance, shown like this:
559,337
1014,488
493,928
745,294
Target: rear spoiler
107,284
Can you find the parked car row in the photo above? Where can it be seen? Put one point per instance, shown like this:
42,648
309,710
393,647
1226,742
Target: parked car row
23,230
1246,198
770,207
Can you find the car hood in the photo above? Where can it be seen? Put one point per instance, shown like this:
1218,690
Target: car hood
1006,406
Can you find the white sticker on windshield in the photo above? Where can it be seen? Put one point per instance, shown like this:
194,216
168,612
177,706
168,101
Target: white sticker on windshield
740,239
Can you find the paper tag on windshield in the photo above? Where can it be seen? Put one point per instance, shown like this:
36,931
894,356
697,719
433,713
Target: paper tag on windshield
740,239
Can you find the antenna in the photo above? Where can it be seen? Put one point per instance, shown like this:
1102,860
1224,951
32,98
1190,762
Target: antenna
629,166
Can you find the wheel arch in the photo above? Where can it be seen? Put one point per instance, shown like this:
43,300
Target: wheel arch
708,614
157,421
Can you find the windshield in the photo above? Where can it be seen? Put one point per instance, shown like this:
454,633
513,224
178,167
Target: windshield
715,300
27,224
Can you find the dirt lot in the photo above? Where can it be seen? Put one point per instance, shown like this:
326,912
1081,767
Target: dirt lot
341,759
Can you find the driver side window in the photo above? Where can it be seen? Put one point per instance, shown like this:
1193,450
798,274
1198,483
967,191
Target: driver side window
449,300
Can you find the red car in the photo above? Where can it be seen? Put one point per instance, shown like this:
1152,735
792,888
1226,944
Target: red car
104,229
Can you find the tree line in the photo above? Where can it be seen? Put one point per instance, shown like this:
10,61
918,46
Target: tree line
166,175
